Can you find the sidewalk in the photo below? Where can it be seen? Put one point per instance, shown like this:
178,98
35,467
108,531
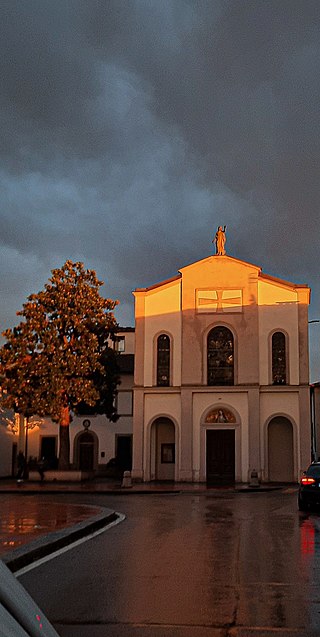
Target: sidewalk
107,485
113,486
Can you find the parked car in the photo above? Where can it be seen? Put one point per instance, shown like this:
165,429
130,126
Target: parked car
309,489
19,614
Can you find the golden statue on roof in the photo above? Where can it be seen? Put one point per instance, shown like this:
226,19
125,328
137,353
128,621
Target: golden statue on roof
220,240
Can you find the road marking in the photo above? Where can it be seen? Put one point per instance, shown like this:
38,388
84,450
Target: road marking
121,517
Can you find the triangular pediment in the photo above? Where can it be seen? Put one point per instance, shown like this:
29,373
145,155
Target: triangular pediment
217,262
229,273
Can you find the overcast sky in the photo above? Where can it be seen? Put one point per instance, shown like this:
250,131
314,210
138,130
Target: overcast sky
131,129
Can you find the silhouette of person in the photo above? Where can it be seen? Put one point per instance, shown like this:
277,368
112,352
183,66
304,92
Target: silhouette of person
21,464
41,466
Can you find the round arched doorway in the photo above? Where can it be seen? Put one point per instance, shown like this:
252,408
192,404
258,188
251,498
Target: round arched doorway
86,451
280,450
163,450
220,457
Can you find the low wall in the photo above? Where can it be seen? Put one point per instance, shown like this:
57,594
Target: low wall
60,476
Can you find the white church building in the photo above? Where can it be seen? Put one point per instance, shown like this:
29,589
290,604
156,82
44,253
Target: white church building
221,383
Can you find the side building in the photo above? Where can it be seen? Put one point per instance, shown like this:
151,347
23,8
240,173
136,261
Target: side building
221,384
97,445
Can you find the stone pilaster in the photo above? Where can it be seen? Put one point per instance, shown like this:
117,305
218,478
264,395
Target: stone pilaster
254,431
185,474
138,436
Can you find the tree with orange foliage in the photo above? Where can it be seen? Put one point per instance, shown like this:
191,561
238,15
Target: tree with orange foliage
58,359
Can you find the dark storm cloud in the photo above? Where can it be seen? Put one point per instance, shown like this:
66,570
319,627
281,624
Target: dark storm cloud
131,129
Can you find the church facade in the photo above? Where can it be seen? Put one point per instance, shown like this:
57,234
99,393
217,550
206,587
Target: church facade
221,383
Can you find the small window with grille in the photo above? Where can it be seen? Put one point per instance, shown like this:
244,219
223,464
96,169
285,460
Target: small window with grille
120,344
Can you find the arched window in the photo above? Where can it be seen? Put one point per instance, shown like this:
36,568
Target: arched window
220,357
279,364
163,360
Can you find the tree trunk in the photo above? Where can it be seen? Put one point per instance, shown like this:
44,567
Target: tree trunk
64,440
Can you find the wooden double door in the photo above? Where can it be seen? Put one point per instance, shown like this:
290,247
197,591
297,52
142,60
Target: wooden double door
220,456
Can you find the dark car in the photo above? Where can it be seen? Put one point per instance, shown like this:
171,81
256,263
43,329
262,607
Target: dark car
309,489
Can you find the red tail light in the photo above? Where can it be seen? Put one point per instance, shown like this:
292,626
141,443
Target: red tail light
306,480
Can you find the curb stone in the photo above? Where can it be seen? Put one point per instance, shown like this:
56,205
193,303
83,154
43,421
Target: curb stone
54,540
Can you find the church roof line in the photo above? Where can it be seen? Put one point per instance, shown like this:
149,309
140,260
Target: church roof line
261,275
275,279
158,285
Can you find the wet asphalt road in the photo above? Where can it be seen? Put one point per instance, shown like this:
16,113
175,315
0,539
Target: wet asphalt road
188,565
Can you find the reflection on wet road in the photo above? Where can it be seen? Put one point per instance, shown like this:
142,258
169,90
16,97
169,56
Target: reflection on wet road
24,518
216,561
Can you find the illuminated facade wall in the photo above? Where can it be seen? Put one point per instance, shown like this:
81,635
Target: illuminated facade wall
262,324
